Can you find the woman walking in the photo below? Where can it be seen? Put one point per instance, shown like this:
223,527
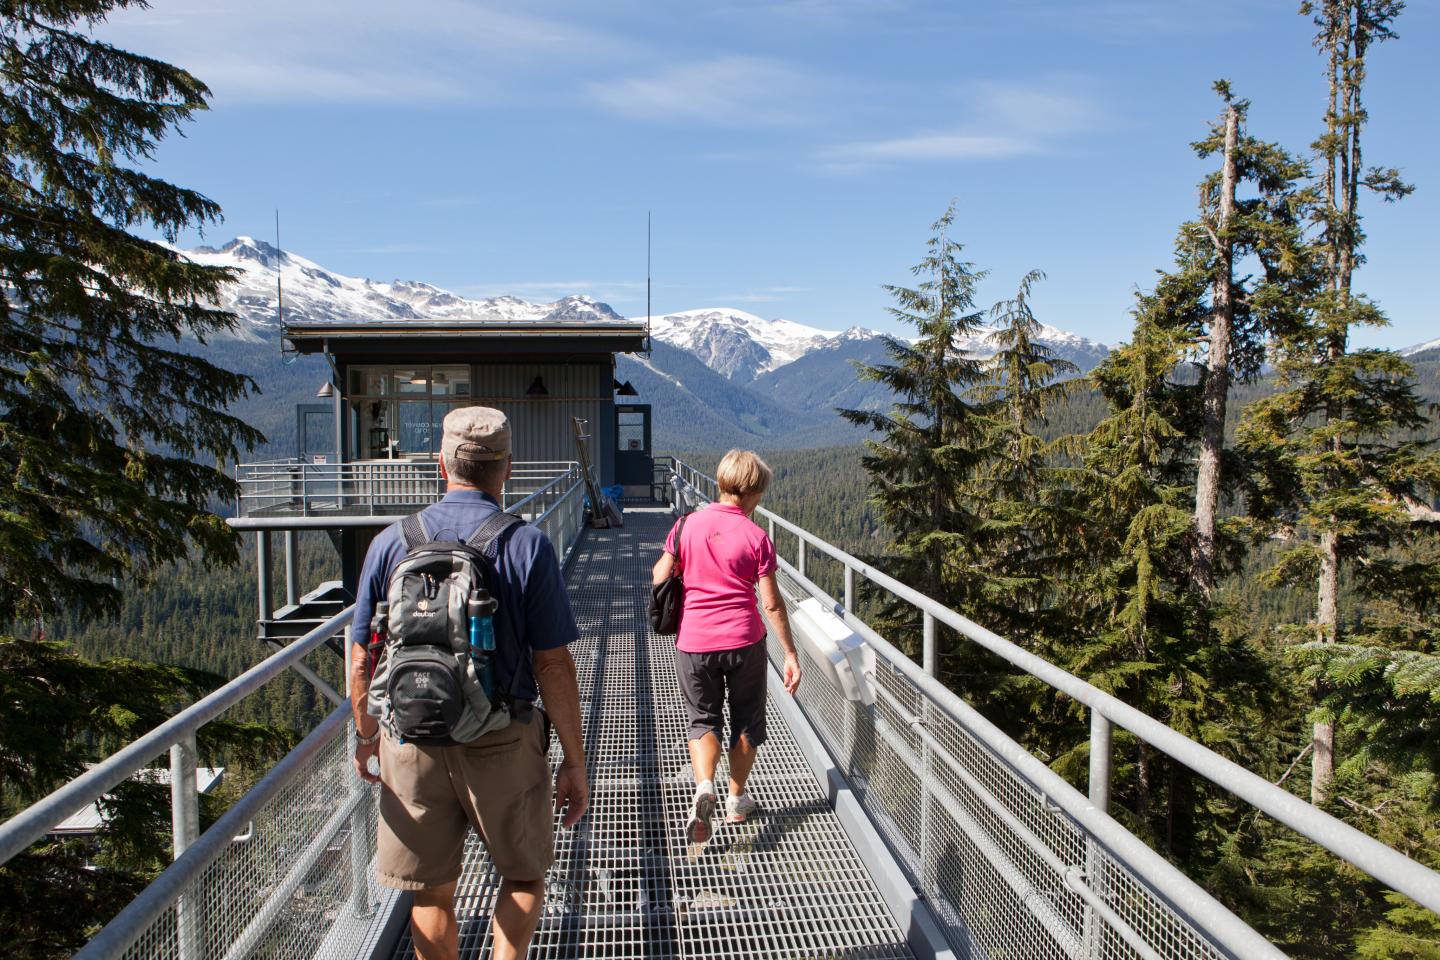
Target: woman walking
720,654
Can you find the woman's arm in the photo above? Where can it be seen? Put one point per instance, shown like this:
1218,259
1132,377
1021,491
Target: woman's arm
774,606
663,567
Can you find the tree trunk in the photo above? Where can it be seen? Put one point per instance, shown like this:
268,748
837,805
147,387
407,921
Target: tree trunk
1217,377
1322,765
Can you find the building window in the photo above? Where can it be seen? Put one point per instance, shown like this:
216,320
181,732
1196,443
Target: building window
397,411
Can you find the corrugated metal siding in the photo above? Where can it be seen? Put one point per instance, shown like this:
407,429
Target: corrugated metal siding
511,380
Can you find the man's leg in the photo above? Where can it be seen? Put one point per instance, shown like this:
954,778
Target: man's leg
517,912
432,924
742,758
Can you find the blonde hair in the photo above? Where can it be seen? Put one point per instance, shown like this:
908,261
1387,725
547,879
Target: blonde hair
742,472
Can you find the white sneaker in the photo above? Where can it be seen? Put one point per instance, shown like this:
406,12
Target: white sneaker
702,808
739,809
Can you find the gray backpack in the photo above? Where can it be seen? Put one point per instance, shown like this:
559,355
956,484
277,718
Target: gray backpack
433,680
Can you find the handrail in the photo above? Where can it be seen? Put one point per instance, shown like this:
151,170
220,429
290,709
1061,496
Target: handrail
1385,864
1184,894
161,893
32,823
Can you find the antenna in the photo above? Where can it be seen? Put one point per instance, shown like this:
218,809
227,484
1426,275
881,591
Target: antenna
647,281
279,287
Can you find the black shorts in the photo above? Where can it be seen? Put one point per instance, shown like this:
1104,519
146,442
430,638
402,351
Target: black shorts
708,680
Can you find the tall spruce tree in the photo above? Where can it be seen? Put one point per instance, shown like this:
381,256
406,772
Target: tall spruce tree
1132,620
1333,471
927,446
111,433
1251,209
1024,380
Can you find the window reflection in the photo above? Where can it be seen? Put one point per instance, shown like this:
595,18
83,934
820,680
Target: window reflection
399,411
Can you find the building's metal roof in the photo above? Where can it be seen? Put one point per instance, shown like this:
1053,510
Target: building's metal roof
88,820
623,336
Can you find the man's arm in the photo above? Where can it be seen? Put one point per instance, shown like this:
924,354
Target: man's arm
774,606
366,726
555,676
368,592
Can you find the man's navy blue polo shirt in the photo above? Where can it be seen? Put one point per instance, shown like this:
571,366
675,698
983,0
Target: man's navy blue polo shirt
535,608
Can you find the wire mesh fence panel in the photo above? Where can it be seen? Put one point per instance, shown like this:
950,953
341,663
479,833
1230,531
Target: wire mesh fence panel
999,863
296,878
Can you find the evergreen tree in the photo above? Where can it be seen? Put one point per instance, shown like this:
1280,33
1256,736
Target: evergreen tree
927,447
1133,621
1325,438
1023,383
111,436
1227,313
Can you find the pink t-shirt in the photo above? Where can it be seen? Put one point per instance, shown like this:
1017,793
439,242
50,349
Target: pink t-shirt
722,557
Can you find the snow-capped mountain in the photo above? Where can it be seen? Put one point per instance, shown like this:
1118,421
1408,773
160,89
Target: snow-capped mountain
740,346
1421,348
737,344
744,347
318,295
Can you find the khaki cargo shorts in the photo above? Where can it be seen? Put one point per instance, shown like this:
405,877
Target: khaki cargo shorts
499,784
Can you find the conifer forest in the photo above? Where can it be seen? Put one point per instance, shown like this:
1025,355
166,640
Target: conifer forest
1232,523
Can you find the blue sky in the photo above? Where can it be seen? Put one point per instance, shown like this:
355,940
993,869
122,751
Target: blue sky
792,153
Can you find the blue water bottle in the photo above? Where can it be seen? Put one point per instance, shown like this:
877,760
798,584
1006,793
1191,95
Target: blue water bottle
481,609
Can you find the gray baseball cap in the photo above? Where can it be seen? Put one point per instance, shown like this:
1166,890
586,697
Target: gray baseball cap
475,433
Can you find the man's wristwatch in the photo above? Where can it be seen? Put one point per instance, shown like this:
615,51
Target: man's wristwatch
366,741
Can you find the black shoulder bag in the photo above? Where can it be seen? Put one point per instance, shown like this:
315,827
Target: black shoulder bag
668,596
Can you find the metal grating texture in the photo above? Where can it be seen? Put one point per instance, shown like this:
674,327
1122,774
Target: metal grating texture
626,884
999,864
297,883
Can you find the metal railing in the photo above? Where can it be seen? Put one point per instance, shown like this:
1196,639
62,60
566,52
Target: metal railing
1016,861
297,488
289,867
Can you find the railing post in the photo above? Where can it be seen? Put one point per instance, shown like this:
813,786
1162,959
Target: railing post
1100,760
800,554
292,568
849,589
927,651
185,828
262,574
1100,757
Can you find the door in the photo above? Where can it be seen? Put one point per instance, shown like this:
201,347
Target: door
633,460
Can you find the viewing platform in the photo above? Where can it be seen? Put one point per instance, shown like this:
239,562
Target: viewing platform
895,820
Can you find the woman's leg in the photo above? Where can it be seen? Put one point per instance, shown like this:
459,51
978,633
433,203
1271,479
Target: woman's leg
745,689
742,758
704,755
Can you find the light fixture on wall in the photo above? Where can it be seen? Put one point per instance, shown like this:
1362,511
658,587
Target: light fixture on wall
537,388
418,378
626,389
327,390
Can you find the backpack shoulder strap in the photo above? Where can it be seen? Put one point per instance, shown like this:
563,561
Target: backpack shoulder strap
412,528
490,532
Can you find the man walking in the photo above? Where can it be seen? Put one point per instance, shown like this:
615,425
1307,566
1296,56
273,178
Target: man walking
499,783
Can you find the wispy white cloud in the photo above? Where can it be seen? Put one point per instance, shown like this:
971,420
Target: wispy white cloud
727,90
352,50
995,121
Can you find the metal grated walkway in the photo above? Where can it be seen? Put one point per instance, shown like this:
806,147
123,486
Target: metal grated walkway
626,884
